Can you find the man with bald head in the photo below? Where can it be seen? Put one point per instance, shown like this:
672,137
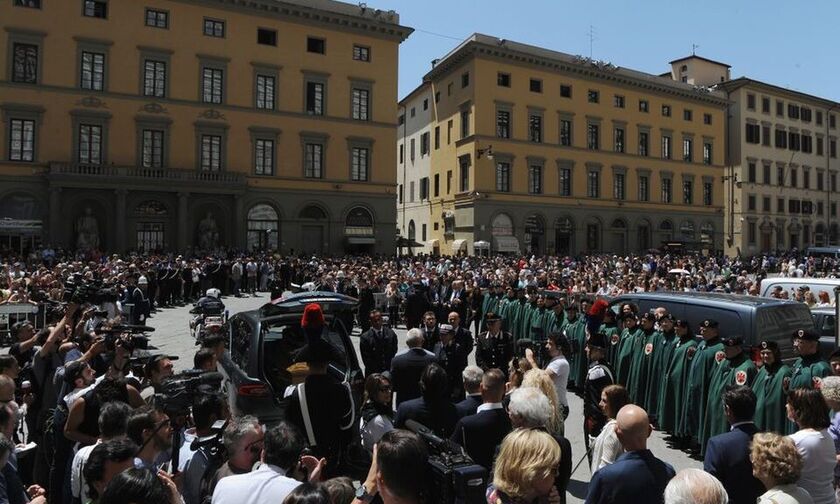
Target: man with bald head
636,476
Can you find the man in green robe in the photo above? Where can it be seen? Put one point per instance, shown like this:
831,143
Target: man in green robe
575,332
703,361
610,329
672,393
663,349
630,341
736,369
770,388
637,385
504,306
527,323
557,319
809,369
491,302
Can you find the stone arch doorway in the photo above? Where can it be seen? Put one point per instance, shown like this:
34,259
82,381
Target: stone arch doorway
313,229
263,227
359,231
151,225
564,236
593,235
535,234
643,229
618,230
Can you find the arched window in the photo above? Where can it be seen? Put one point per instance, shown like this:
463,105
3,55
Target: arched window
502,225
151,208
619,224
313,212
707,232
263,228
687,230
359,222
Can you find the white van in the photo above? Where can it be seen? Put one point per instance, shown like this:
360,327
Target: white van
792,284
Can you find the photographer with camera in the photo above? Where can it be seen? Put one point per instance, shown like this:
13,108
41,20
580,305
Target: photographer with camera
150,428
242,439
398,473
206,410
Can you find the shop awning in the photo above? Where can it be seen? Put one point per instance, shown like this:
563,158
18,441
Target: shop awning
507,244
458,245
481,244
361,240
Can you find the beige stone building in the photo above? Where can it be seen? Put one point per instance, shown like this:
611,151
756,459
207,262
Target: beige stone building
781,182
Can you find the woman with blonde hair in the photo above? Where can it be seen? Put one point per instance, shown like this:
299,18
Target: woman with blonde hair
539,379
778,465
525,469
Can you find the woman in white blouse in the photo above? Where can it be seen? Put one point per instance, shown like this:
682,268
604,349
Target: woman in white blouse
808,409
606,447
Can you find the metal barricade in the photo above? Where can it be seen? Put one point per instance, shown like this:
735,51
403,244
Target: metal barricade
12,313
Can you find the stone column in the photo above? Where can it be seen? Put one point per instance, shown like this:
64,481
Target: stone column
183,240
57,234
120,221
238,230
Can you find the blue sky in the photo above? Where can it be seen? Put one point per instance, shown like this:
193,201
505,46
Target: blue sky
792,44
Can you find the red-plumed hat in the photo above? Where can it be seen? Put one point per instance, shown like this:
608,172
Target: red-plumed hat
598,308
313,317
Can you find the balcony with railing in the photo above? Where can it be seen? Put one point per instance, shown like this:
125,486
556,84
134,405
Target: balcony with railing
141,175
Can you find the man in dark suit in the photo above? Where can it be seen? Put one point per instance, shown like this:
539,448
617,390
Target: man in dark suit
471,376
431,333
433,408
636,476
378,345
481,433
407,367
366,303
728,455
416,304
456,300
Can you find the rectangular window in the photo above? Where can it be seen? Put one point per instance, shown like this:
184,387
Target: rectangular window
465,176
592,136
793,141
644,188
751,232
753,133
765,136
593,184
780,205
644,143
152,148
793,111
424,232
35,4
503,177
93,71
411,192
448,181
751,173
707,193
535,86
265,92
805,114
449,132
90,144
465,123
750,101
314,98
707,118
264,157
688,192
781,139
820,208
780,108
565,132
316,45
832,148
707,153
793,177
21,140
765,105
592,96
359,164
25,63
565,91
154,78
688,154
96,9
503,124
765,204
503,79
565,181
437,137
667,191
618,139
424,188
618,101
361,53
211,152
644,106
833,209
157,18
402,153
465,79
688,115
780,176
535,179
411,150
666,110
819,117
424,144
618,186
535,128
214,28
832,121
807,143
820,181
806,179
361,104
266,36
437,185
751,203
313,162
666,147
765,174
211,85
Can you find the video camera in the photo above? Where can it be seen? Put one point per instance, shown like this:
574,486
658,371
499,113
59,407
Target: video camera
125,336
78,289
454,477
178,391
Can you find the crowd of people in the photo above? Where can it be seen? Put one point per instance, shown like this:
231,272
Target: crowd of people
84,414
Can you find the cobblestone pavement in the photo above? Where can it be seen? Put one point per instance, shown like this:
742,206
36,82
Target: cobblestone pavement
172,336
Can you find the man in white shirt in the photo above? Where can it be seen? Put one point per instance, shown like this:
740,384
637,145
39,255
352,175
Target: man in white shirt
270,482
113,420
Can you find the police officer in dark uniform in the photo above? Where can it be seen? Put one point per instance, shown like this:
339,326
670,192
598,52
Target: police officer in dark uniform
598,377
452,353
494,347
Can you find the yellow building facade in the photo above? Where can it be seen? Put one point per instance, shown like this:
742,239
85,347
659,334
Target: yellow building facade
543,152
169,124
